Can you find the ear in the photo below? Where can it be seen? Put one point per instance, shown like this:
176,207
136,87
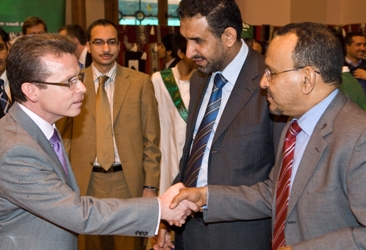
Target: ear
180,54
168,52
309,80
229,37
30,91
88,47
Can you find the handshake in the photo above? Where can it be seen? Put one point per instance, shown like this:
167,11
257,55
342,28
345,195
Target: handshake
176,204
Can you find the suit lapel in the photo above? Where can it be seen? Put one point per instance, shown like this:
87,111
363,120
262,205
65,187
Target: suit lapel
244,88
35,132
121,86
89,96
315,150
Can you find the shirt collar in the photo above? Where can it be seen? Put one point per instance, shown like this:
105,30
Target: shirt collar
308,121
232,70
46,128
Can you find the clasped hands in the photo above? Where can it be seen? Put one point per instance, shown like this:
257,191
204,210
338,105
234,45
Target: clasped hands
177,203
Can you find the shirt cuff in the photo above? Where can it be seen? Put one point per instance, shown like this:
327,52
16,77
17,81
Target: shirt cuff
159,218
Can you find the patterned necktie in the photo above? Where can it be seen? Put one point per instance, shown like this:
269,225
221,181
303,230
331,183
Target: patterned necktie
56,144
204,132
105,146
4,100
283,186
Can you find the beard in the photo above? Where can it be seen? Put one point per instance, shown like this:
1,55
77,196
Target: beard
213,64
273,110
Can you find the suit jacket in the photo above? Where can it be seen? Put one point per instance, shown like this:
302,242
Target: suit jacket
242,151
136,130
40,206
327,206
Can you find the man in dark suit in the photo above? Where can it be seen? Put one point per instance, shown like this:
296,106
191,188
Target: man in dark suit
241,147
325,205
77,34
40,201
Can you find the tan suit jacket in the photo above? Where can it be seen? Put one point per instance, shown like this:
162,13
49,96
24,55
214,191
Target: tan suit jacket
136,131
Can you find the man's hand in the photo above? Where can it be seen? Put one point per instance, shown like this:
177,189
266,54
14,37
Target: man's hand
163,241
179,213
360,74
195,195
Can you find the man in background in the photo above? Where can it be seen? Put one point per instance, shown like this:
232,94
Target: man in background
5,96
34,25
165,51
78,36
355,51
113,144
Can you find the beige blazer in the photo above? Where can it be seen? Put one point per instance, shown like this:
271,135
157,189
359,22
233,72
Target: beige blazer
136,130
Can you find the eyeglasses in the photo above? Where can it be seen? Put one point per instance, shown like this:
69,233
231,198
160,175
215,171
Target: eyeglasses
70,83
269,74
100,42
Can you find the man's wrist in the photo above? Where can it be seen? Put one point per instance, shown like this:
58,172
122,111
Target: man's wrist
151,187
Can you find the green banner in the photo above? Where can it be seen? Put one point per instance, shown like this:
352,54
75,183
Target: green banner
14,12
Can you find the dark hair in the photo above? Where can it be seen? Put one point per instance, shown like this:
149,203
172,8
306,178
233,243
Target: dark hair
220,14
167,41
25,61
4,36
32,21
317,47
180,43
348,39
102,22
74,31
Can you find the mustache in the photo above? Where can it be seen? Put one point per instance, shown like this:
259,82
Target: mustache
198,57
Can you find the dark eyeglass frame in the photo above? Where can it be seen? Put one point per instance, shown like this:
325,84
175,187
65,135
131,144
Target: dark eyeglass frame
269,74
100,42
71,84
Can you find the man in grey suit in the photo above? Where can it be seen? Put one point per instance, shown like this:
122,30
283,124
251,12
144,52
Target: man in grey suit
326,205
39,198
241,147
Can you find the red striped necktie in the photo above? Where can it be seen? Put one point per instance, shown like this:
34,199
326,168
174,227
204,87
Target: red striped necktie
283,186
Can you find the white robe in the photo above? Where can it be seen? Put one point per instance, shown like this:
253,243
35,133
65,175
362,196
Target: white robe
173,127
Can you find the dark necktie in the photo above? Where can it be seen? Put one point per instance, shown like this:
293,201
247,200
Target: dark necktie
4,100
283,186
56,144
204,132
105,146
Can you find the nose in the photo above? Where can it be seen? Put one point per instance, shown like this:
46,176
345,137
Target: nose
80,87
264,83
190,49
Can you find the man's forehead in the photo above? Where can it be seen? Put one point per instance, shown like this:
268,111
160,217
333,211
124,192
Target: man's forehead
359,39
281,48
